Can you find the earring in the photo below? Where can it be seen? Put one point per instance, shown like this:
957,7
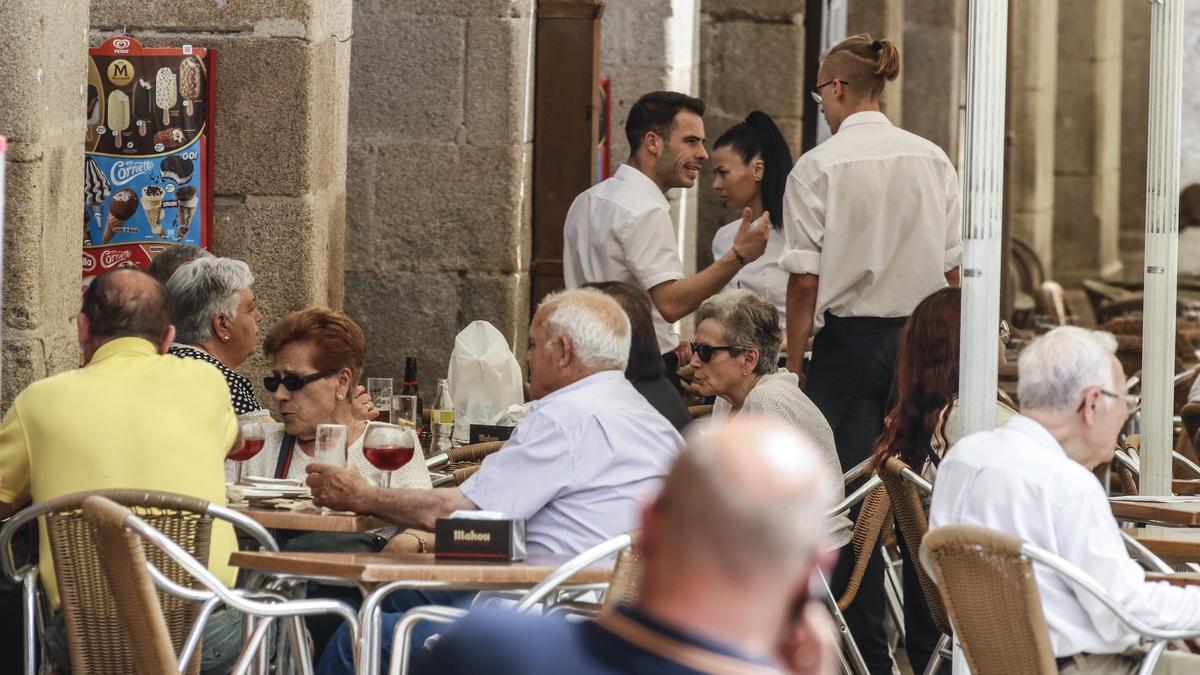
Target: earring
341,397
224,338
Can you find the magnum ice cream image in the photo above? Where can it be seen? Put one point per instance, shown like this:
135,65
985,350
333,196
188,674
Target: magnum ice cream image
118,114
189,84
143,106
93,114
152,199
166,95
186,196
170,138
176,168
122,207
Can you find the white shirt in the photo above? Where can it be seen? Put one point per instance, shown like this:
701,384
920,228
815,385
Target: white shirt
621,230
1017,479
1189,251
579,466
875,212
764,275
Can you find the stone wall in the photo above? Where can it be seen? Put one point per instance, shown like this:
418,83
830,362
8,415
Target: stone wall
933,55
439,171
42,99
1189,170
1135,110
752,53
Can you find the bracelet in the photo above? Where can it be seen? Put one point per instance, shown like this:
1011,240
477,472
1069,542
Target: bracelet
740,258
422,546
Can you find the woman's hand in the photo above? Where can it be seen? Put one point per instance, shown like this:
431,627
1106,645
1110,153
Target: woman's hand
361,405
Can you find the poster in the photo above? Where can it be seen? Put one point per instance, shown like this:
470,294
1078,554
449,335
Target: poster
148,153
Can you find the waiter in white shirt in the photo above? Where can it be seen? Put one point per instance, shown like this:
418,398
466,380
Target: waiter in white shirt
1032,479
872,223
621,229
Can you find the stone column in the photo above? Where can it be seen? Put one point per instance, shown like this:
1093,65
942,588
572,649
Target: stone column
651,45
439,177
1135,79
1088,139
1032,86
1189,171
883,19
933,58
280,152
753,59
42,96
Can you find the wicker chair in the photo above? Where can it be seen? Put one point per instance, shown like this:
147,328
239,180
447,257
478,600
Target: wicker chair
699,411
910,514
131,550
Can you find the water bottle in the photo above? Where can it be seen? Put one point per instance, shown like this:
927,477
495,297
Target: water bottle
441,418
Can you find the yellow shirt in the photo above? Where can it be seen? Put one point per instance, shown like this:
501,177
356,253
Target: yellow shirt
130,418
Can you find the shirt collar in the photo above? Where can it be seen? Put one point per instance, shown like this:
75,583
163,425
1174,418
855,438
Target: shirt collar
642,182
865,117
123,346
1033,429
585,382
693,639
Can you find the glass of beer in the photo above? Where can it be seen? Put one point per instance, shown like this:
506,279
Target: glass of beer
388,447
380,391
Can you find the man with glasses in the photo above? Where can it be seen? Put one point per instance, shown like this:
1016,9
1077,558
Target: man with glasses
1032,478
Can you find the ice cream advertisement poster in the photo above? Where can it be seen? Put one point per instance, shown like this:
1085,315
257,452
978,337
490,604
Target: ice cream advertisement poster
148,152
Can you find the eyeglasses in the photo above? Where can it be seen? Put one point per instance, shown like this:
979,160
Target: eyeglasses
1005,331
816,92
293,382
1132,403
705,352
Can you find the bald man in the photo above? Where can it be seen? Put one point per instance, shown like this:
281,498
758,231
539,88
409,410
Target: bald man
729,548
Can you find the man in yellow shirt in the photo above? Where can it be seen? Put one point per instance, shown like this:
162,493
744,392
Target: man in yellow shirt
132,417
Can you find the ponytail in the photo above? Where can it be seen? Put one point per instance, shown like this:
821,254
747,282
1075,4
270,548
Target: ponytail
864,62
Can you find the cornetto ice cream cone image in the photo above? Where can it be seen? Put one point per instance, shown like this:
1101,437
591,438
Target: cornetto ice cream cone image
186,196
122,207
152,198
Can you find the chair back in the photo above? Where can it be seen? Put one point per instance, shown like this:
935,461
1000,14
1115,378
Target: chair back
909,512
94,626
992,599
123,561
875,514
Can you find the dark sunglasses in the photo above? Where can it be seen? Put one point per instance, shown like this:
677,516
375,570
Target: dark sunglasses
705,352
293,382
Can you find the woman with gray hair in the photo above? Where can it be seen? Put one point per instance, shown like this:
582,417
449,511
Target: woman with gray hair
735,354
216,321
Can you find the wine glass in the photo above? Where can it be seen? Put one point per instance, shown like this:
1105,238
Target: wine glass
388,447
253,439
380,391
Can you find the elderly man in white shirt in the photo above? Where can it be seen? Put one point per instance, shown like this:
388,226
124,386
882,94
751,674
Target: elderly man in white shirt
578,466
872,224
621,229
1032,478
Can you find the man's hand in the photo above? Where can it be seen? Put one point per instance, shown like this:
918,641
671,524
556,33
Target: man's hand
751,237
361,406
810,644
341,489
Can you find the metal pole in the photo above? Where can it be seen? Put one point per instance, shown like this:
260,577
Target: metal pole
1162,243
983,201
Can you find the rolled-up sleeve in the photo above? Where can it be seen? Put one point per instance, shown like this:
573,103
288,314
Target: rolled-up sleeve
14,458
650,250
954,220
532,468
803,226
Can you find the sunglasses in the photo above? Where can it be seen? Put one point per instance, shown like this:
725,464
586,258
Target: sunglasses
705,352
293,382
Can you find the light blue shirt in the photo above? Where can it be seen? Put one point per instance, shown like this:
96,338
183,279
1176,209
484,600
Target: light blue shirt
579,465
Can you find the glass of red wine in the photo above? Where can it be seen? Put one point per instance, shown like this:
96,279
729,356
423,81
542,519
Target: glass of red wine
253,439
388,447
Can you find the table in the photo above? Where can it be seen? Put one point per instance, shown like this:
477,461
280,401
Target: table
1186,486
312,521
1182,514
381,574
1173,545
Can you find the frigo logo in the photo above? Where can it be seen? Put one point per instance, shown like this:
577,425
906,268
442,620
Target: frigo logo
121,43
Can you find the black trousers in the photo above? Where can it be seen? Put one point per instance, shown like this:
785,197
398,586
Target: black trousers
850,380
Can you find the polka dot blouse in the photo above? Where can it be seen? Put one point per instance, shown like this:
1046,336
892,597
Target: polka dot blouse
241,392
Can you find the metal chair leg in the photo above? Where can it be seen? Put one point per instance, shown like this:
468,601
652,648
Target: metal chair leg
857,664
894,588
940,653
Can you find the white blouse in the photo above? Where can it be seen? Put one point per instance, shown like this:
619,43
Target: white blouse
763,276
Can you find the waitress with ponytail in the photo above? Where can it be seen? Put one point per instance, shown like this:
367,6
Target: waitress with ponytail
750,163
873,224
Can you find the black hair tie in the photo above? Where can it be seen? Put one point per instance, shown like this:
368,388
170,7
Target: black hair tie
877,45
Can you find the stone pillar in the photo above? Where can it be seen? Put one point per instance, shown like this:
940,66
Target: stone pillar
42,96
651,45
1135,79
1189,171
933,55
1088,139
753,59
883,19
1032,87
280,153
439,177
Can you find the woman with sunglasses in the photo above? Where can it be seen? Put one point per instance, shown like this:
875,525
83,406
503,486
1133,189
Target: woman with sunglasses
923,424
734,353
750,162
317,357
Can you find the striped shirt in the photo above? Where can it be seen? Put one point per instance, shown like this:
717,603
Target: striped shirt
579,465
